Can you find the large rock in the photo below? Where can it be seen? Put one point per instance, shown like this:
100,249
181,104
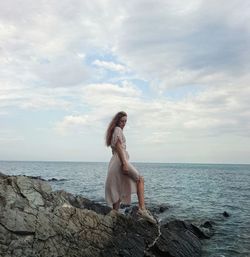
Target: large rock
38,222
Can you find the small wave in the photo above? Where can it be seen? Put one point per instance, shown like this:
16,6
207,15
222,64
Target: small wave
244,236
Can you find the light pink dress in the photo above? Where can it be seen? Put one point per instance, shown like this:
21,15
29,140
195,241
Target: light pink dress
118,185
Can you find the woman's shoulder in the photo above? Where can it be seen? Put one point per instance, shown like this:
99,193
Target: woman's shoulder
118,128
117,131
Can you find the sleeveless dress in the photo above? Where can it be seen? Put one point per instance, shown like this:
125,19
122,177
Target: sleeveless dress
119,186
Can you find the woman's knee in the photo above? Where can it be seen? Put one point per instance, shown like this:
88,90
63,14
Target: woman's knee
140,179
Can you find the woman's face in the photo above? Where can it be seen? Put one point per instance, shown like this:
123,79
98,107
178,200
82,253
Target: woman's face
122,122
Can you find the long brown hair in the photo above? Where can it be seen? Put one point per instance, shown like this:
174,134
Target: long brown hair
114,122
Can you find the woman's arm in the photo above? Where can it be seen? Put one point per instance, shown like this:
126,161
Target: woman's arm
122,157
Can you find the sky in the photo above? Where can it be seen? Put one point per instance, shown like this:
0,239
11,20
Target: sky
180,69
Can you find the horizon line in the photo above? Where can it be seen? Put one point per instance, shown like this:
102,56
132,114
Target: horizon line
149,162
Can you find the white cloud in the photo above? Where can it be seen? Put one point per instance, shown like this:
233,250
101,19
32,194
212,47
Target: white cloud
44,43
28,97
110,66
71,122
96,90
162,119
44,102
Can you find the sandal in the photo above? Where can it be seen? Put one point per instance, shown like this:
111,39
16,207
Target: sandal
144,213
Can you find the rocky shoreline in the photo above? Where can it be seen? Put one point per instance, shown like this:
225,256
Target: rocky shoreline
38,222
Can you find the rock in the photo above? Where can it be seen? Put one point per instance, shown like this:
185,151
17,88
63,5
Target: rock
207,224
40,178
226,214
55,179
50,179
176,240
36,221
203,231
157,209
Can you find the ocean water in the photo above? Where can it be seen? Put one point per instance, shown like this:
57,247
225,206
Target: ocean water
194,192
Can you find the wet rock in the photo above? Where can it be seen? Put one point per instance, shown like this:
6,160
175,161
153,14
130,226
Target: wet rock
203,231
36,221
55,179
207,224
50,179
35,177
157,209
40,178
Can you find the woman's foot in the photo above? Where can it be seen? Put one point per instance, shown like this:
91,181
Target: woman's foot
144,213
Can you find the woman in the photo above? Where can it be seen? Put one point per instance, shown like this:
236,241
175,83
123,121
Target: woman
122,178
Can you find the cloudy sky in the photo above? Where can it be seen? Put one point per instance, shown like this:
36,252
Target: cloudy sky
180,69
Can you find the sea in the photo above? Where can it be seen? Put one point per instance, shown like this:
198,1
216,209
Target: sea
193,192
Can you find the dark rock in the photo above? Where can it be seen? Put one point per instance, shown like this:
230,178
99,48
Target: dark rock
163,208
35,177
40,178
203,230
207,224
52,179
36,221
226,214
157,209
55,179
176,240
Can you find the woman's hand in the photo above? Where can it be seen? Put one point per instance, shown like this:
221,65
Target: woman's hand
125,168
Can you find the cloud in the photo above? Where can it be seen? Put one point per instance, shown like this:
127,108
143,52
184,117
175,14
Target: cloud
173,45
110,66
167,43
28,97
45,43
210,113
101,102
126,89
64,71
71,122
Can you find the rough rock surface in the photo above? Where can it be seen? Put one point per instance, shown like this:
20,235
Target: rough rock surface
37,222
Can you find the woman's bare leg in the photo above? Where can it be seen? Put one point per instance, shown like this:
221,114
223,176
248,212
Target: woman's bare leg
116,205
140,192
142,209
